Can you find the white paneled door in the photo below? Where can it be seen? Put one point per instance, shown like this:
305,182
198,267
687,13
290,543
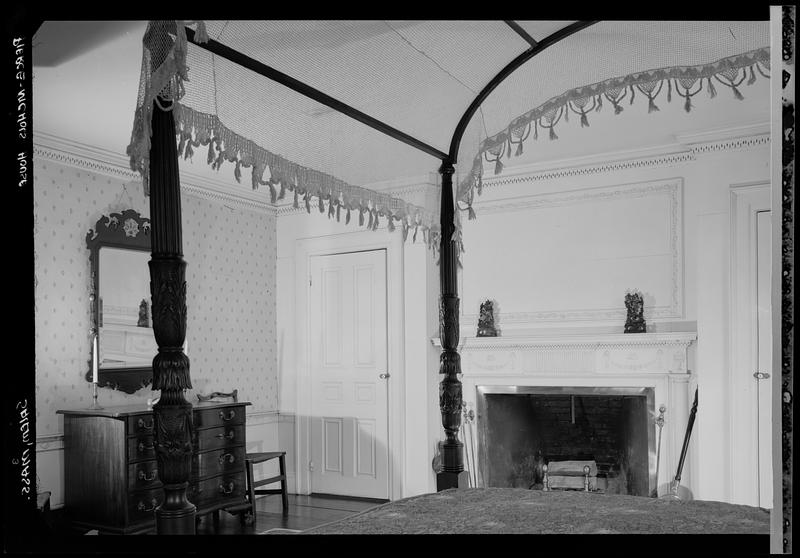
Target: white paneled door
763,376
349,375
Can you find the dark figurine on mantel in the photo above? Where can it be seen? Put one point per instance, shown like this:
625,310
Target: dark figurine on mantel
635,305
486,327
144,314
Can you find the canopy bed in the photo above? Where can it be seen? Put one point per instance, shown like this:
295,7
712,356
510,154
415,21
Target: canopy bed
318,109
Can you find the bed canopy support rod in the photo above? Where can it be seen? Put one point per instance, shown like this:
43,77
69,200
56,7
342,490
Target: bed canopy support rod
521,32
268,72
451,401
549,41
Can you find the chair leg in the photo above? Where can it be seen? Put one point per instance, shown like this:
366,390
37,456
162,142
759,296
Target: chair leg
250,489
284,495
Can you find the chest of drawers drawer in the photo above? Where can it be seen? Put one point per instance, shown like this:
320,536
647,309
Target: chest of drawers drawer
215,462
143,475
230,485
139,425
228,416
141,448
141,505
217,438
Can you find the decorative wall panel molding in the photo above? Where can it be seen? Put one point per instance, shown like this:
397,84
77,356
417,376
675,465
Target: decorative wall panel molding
671,189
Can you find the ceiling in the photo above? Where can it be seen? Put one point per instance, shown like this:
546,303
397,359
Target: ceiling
86,80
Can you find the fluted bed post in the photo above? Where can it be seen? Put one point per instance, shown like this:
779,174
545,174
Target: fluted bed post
453,474
173,413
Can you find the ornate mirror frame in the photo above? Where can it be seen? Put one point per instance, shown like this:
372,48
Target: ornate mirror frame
128,231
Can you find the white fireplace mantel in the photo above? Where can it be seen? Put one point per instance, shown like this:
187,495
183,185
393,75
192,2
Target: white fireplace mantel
616,353
657,361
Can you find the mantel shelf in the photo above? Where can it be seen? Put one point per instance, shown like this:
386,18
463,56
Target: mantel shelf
580,340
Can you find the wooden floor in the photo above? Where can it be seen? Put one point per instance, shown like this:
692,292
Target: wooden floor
304,512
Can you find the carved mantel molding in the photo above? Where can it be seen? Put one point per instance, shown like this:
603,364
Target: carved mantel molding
616,353
655,361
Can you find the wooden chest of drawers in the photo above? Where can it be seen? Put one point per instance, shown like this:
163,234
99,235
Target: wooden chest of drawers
110,473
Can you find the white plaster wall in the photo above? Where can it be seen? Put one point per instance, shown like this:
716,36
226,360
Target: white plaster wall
422,418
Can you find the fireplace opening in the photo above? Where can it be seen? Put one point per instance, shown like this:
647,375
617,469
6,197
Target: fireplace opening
523,428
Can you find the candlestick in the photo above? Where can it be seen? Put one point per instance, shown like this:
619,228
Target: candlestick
94,360
94,404
95,366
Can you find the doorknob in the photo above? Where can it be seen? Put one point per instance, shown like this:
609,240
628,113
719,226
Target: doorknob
383,376
761,375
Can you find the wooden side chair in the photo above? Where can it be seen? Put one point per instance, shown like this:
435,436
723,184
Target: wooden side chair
252,484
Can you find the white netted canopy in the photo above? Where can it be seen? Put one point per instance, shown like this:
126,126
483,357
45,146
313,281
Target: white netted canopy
418,80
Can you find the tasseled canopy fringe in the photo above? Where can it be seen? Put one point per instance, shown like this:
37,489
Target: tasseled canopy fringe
731,71
194,129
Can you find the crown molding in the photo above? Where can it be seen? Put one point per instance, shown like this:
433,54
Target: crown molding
724,134
685,150
83,156
741,137
102,161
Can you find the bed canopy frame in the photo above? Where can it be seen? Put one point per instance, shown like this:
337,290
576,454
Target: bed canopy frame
174,117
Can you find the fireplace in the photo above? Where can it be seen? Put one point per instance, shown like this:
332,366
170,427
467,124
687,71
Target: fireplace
523,427
612,384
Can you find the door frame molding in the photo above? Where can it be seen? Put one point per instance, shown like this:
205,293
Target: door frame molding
746,200
305,248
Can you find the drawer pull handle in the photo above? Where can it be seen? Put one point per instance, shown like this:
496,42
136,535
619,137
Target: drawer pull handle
147,425
226,490
229,435
143,448
143,507
230,416
226,457
143,476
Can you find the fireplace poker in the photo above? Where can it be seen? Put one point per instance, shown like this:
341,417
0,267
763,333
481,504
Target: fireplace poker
673,493
469,416
660,422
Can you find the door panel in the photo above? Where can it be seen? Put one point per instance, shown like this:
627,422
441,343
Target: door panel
348,353
764,383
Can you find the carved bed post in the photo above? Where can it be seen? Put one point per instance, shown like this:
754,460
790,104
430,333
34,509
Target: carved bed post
172,415
453,474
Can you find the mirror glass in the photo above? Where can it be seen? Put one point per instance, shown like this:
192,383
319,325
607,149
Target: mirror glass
121,306
124,314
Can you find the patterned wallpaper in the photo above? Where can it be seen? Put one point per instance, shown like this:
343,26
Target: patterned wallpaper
230,252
